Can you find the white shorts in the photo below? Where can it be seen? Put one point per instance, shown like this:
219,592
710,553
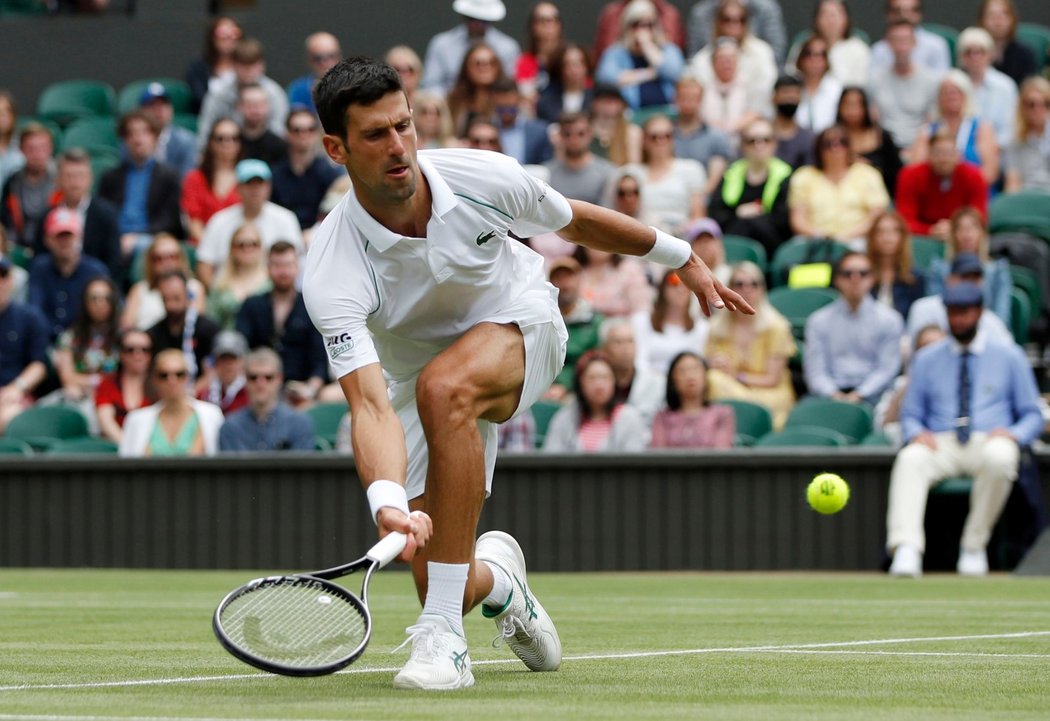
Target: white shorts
536,314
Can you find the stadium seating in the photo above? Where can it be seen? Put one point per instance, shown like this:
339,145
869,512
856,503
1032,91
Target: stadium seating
802,250
542,412
802,436
97,135
1026,211
131,94
101,161
1020,315
1027,280
186,120
65,101
740,248
15,447
796,304
1036,37
43,426
51,125
950,35
852,420
326,418
753,421
924,249
75,446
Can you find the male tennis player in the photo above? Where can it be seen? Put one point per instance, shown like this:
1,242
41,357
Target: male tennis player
439,325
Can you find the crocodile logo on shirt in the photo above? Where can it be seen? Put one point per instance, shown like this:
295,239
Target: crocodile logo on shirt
484,237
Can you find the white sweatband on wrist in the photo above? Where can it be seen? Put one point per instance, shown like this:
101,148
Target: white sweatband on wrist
386,493
668,250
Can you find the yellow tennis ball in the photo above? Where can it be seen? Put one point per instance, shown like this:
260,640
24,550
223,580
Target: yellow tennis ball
827,493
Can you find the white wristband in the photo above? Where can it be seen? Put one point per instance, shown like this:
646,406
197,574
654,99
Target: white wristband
668,250
386,493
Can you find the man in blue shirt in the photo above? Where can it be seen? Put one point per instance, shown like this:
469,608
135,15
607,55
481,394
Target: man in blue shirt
971,403
267,424
23,349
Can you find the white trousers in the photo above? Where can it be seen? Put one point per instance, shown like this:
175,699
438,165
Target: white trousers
992,462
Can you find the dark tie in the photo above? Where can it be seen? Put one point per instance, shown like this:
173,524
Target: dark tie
962,423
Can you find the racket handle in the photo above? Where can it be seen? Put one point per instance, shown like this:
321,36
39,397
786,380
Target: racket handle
387,549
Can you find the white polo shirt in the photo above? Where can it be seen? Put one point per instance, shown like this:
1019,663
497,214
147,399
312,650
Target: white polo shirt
418,295
274,223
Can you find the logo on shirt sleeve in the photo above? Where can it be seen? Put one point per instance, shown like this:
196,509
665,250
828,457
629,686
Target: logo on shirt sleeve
337,345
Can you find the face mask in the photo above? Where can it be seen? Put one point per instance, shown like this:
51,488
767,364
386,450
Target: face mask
787,110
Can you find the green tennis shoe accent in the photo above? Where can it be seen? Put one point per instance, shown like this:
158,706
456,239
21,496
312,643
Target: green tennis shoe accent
490,612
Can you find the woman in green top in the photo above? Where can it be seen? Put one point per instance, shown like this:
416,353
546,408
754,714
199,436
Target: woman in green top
244,274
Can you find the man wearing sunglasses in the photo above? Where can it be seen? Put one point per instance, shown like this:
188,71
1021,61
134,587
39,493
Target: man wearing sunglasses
322,53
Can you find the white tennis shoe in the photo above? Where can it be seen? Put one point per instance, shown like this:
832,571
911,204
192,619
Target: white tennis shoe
439,660
522,622
972,563
907,562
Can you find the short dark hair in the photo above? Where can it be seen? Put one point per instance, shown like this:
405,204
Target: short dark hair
131,116
169,274
504,85
358,80
282,246
836,267
787,80
74,155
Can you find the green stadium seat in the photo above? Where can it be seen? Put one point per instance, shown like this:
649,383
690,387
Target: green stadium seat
326,418
1020,315
131,94
950,35
1036,37
740,248
923,251
10,9
852,420
753,420
75,446
801,436
802,250
1027,280
15,447
640,116
20,255
64,102
542,412
796,304
876,438
138,264
42,426
1026,211
186,120
96,135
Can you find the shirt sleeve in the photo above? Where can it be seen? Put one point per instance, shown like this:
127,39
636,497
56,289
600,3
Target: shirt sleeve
535,206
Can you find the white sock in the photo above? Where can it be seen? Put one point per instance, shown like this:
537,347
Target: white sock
446,583
501,587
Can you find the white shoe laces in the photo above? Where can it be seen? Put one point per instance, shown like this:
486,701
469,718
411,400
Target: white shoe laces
509,628
425,642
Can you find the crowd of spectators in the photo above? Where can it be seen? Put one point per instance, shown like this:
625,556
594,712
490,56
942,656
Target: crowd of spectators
161,298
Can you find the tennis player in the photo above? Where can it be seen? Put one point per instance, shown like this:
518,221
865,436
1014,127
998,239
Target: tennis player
439,325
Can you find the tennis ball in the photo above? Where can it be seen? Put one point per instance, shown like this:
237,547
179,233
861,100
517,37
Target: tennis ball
827,493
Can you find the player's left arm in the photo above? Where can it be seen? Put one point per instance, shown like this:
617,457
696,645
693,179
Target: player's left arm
603,229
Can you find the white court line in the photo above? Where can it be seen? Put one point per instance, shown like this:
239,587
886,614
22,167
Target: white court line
786,648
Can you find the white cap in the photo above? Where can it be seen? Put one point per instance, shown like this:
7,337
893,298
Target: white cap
491,11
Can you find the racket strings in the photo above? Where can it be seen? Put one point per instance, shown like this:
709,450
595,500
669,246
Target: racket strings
295,622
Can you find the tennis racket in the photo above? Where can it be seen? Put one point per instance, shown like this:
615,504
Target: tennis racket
302,624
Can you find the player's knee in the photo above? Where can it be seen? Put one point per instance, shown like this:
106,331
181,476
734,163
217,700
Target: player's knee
443,398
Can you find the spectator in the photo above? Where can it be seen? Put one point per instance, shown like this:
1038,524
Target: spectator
853,348
88,349
11,158
569,90
24,340
257,140
931,50
127,388
613,284
322,54
705,237
751,199
278,320
616,138
227,388
636,385
249,67
757,66
748,355
643,64
472,95
929,192
994,93
523,139
182,328
693,138
433,121
274,222
176,147
729,103
610,24
409,67
821,90
689,420
26,196
673,192
215,67
518,435
97,216
57,278
576,172
623,192
483,134
674,326
213,185
968,233
545,39
965,268
301,180
849,57
177,424
145,192
904,92
887,414
999,18
765,19
867,139
971,405
581,322
838,197
956,112
794,143
897,285
144,307
1027,161
243,274
267,423
19,275
446,51
595,421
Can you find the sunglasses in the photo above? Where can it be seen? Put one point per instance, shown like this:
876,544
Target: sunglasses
100,297
832,143
659,136
167,375
642,24
854,273
624,192
247,244
731,19
324,57
482,62
264,376
758,140
157,257
573,133
302,129
131,349
746,284
813,54
547,18
226,138
1037,103
484,142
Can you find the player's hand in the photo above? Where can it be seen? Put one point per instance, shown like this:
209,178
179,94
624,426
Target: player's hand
926,438
416,525
712,292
